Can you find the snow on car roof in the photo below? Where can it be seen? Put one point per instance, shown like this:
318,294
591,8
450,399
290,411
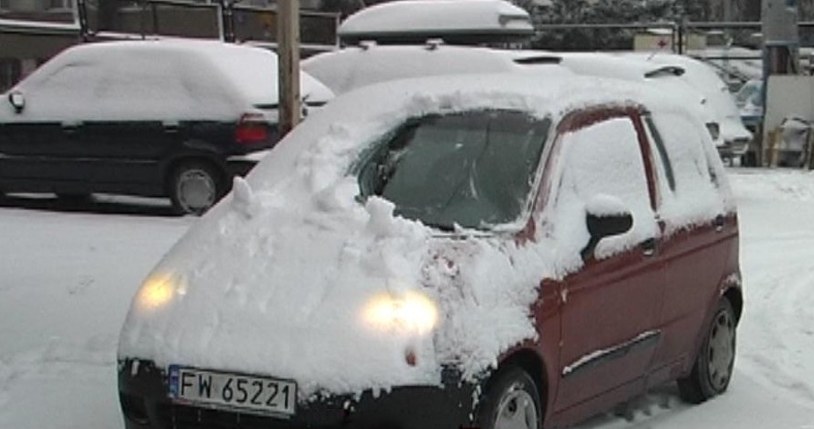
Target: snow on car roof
249,299
426,16
351,68
205,71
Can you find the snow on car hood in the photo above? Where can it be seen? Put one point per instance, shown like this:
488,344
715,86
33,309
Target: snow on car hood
280,276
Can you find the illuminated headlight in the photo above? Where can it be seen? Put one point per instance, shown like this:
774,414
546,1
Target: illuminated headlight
411,312
157,291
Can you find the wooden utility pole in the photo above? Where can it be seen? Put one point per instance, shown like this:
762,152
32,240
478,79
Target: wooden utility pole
288,54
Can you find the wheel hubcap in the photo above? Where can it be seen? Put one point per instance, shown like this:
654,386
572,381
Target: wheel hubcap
721,350
196,191
516,410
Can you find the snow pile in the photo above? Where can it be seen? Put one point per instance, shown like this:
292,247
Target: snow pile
281,276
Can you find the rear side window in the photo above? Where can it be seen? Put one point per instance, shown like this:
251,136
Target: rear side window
693,195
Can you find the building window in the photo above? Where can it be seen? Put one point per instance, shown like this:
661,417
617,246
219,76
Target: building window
59,4
10,72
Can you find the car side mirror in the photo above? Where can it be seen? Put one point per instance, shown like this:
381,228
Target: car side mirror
605,216
17,101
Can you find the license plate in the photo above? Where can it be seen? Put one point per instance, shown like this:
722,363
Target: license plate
263,395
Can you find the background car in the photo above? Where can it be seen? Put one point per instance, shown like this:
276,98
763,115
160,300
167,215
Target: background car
509,250
354,67
734,135
155,118
749,100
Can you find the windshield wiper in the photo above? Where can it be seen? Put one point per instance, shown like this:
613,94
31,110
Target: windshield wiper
439,226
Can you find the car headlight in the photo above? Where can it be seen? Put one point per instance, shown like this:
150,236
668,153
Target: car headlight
157,291
411,312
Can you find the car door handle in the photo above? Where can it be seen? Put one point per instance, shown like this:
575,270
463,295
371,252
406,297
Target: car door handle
649,247
70,127
719,223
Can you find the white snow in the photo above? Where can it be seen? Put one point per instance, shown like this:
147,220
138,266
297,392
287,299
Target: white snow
354,67
155,80
68,278
437,15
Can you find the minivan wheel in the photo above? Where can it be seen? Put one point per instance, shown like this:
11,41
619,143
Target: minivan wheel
195,187
511,401
714,364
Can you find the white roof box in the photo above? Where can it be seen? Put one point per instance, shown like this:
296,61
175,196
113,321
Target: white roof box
454,21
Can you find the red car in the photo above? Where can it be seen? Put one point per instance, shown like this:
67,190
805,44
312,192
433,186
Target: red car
496,251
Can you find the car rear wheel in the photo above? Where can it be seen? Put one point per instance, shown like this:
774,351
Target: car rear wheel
511,402
195,187
714,364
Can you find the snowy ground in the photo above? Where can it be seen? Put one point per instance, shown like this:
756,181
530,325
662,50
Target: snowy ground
66,278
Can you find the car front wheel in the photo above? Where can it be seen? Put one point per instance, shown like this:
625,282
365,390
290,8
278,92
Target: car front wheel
714,364
195,187
511,402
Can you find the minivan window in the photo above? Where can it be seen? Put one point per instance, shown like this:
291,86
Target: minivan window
472,169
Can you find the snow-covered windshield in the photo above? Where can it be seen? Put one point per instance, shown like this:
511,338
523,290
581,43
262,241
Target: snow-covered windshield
472,169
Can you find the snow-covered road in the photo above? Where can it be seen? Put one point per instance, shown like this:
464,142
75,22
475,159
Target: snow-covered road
66,280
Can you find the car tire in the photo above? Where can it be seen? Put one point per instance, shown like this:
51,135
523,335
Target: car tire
511,401
195,186
714,364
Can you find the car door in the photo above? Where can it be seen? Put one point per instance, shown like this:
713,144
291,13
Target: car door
41,149
701,248
31,155
126,153
611,300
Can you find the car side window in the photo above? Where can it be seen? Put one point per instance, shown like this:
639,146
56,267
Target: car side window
66,93
602,159
695,196
664,167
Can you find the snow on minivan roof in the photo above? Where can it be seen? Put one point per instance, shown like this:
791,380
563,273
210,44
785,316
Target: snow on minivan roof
350,68
250,73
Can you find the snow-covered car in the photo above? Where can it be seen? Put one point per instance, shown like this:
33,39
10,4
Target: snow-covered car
735,137
484,251
156,118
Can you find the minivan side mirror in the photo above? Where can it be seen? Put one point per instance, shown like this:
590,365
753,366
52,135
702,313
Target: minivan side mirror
605,216
17,101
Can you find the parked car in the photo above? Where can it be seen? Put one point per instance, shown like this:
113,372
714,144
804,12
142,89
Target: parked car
483,251
155,118
749,100
736,138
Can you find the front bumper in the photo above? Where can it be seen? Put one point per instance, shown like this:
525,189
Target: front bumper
145,405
